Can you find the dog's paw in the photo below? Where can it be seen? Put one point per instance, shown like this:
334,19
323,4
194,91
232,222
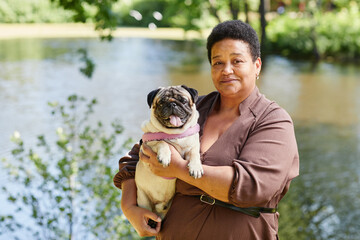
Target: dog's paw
195,169
164,158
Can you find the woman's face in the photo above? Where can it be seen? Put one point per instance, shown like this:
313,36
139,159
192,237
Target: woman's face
232,69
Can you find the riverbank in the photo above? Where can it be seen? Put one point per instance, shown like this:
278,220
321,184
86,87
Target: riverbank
73,30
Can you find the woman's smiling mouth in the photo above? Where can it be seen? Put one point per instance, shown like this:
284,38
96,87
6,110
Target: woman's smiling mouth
228,80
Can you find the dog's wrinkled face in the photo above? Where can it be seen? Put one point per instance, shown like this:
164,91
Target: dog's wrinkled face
173,106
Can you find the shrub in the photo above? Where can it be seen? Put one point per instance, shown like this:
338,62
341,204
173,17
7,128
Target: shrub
336,34
66,187
32,11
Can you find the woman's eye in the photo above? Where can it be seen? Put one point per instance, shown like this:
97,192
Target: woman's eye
237,61
217,63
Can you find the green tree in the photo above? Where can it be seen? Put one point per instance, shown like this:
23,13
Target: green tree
99,12
316,34
200,14
66,187
32,11
205,13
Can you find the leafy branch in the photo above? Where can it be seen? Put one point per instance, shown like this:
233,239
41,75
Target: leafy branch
66,187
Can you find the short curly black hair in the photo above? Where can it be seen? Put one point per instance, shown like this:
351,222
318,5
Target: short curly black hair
238,30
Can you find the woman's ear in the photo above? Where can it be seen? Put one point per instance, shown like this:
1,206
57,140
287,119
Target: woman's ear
258,64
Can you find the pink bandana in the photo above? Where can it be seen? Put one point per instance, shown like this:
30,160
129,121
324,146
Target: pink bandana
157,136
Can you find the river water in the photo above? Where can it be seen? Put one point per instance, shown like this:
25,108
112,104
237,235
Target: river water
323,100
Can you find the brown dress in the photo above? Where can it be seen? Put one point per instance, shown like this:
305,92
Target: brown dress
261,146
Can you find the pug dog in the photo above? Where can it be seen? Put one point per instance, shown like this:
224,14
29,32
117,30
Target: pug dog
173,120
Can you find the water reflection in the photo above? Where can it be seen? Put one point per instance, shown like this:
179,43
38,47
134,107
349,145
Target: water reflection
323,201
323,99
323,93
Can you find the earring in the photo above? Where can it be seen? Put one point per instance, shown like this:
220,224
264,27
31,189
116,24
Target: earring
257,77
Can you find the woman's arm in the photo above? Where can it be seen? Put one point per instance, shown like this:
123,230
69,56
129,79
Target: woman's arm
267,162
137,216
127,166
216,181
124,179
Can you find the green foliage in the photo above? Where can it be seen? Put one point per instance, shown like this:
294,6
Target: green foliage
297,213
334,34
200,14
66,187
89,67
32,11
338,33
108,14
147,9
188,14
100,13
290,36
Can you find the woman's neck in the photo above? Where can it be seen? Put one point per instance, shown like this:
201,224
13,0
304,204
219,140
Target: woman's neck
228,106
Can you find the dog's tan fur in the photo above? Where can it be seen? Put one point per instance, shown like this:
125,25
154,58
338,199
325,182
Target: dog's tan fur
153,192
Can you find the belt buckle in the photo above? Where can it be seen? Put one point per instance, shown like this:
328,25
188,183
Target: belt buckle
207,199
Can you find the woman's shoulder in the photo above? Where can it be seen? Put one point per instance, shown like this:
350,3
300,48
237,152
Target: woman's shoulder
206,100
211,95
267,109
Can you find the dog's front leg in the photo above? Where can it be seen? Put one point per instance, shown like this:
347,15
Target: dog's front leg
195,167
163,152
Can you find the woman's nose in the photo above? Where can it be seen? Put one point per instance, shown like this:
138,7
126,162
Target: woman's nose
227,68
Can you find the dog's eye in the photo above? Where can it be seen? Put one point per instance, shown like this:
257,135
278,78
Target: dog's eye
183,100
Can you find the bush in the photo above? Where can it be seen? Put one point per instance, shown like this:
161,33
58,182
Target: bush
290,36
66,187
336,34
32,11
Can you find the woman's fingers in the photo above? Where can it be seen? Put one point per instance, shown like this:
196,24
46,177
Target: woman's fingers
153,216
139,218
153,222
146,150
146,153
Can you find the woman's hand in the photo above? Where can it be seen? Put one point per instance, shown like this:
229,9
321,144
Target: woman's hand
173,170
137,216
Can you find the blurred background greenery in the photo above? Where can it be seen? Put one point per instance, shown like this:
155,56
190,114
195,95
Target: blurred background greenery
59,186
326,29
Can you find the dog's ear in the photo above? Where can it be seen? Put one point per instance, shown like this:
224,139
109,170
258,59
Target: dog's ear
151,96
193,92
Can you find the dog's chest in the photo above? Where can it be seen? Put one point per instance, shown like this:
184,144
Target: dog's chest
151,183
182,145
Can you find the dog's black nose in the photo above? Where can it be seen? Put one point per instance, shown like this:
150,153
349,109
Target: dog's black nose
172,104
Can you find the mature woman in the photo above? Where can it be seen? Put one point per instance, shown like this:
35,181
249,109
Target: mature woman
248,151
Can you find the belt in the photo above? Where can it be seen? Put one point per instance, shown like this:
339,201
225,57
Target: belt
251,211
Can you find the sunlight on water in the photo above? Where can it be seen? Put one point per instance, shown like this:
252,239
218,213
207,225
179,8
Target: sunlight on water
323,100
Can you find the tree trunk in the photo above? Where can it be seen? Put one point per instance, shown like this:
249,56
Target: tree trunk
263,23
214,11
246,10
234,8
313,37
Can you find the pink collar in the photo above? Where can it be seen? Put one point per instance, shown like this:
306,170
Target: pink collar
164,136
